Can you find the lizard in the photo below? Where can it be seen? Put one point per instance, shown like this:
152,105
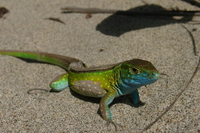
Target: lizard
106,82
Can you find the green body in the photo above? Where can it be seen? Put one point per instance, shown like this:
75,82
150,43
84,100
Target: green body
105,82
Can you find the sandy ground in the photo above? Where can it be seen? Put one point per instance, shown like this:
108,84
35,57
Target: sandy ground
99,40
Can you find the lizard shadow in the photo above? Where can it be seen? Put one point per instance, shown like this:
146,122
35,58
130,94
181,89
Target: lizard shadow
122,99
126,99
116,24
33,61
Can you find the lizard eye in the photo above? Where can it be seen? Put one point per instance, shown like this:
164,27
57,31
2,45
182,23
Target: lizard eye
135,71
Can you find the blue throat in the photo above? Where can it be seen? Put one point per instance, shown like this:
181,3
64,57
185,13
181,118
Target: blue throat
124,88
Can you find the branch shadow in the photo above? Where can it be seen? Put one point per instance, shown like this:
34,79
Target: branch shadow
192,2
116,25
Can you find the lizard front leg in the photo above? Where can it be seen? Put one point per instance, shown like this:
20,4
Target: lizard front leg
136,99
104,108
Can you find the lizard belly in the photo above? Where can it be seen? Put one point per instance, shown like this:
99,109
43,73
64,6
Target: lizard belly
88,88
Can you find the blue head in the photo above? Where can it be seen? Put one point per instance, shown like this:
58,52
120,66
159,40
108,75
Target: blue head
134,74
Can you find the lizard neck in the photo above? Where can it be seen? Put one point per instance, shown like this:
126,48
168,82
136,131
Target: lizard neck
120,85
124,89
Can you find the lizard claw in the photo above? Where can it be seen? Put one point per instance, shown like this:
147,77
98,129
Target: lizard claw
29,91
116,125
140,103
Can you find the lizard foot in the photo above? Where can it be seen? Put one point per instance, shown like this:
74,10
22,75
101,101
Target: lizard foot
140,103
116,125
29,91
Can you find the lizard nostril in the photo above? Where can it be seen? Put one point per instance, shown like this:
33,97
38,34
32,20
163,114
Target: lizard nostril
156,74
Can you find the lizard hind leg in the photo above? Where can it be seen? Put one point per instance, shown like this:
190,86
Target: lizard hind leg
57,85
60,83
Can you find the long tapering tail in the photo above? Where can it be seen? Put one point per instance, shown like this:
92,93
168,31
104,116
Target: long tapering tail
58,60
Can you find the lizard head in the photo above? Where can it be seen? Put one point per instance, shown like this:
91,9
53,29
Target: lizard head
138,72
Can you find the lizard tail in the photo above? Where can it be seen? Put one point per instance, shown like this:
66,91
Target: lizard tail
59,60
